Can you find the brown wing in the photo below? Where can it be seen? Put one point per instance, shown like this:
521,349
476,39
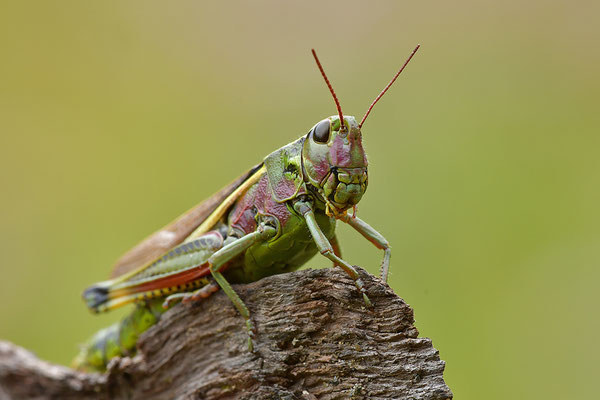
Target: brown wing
171,235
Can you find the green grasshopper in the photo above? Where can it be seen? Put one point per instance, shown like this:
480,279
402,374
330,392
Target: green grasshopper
270,220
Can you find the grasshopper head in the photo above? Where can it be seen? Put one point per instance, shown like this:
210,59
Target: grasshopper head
333,157
335,162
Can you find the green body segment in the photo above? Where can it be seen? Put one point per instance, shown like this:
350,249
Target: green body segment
118,339
274,226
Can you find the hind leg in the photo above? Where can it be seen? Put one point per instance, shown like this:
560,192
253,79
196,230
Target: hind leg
183,268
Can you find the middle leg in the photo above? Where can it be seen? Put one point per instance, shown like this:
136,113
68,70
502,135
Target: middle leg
220,258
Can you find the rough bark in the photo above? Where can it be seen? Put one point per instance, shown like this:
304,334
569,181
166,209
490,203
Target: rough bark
315,340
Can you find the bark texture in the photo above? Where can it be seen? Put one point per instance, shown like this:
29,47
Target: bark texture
315,340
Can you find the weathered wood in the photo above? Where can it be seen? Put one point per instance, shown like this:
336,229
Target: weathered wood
316,340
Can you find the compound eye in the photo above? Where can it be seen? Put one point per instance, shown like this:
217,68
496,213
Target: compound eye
321,134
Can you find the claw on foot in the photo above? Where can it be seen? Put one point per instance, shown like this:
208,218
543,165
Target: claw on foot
172,299
251,330
367,301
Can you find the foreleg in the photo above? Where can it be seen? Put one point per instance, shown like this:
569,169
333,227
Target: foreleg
337,250
374,237
326,249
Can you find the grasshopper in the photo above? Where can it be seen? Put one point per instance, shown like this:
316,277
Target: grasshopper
270,220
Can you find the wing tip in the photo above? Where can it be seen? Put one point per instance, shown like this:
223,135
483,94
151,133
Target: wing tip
95,296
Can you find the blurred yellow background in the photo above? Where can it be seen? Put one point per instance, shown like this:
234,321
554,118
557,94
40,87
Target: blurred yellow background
117,116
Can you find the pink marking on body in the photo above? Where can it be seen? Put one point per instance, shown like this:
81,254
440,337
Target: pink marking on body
284,189
340,152
258,199
348,152
242,217
321,168
269,206
277,210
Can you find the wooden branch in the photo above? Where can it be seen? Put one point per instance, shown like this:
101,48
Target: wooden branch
316,340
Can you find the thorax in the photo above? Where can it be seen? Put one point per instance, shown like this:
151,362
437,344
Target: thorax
290,249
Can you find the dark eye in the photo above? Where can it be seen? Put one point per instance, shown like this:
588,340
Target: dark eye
321,133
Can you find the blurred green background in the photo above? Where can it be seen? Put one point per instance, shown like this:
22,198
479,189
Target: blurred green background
117,116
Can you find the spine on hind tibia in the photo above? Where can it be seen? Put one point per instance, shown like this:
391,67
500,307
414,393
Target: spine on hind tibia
118,339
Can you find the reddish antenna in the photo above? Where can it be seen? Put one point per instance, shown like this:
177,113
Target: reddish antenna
337,103
387,87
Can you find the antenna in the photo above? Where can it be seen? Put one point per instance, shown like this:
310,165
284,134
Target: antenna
386,88
337,103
